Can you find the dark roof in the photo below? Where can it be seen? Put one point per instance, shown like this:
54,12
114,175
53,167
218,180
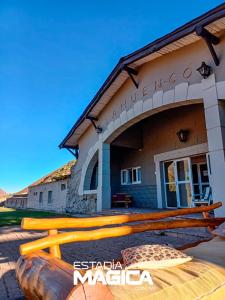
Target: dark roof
22,192
203,20
59,174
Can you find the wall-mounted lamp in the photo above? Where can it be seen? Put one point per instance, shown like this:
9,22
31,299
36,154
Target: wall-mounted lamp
98,129
183,135
204,70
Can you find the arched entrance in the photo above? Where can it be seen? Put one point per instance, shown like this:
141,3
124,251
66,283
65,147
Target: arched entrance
136,169
91,176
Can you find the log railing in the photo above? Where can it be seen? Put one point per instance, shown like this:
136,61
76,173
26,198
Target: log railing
54,239
63,223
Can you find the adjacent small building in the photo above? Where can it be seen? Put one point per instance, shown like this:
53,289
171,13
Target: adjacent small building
17,200
50,192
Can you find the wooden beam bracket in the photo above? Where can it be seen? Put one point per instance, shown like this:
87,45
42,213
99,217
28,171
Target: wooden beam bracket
131,72
93,119
74,152
210,40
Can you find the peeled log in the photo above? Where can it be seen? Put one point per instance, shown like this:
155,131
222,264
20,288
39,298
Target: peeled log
77,236
43,277
62,223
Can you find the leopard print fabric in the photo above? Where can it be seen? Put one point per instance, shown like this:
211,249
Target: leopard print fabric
152,253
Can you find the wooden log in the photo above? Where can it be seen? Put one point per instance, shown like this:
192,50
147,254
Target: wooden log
103,233
206,215
43,277
59,223
54,250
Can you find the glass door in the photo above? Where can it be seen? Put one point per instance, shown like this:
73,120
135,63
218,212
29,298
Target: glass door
200,178
170,184
178,182
184,182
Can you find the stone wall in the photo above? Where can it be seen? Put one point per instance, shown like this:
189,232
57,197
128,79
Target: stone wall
57,202
75,202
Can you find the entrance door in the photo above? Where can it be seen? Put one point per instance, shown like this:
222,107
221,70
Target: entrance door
178,183
200,178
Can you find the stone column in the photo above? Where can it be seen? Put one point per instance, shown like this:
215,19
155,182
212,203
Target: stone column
215,126
104,185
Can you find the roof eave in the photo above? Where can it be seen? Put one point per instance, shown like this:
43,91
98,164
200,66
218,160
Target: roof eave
154,46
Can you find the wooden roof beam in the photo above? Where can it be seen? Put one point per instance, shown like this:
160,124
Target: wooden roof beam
130,71
210,40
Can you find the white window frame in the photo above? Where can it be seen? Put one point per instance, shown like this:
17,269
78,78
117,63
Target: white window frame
121,177
137,180
134,169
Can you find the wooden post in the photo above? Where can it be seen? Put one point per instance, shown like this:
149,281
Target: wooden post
54,250
206,215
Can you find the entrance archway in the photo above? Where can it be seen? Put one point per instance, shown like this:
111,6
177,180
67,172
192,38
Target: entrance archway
91,176
133,168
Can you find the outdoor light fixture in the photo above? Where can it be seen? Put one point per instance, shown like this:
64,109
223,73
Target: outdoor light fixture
98,129
204,70
182,135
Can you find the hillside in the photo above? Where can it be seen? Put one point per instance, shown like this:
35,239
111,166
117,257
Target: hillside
2,192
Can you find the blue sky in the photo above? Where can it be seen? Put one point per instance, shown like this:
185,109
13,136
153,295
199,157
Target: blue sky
54,55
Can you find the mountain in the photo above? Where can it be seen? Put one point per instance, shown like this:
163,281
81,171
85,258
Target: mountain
2,192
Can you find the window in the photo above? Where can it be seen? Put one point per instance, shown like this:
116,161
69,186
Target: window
63,186
131,176
123,176
139,174
41,197
49,197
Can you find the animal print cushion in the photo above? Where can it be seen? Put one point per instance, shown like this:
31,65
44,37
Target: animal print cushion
153,257
220,230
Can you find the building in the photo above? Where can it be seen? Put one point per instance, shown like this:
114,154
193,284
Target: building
17,200
156,127
50,192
